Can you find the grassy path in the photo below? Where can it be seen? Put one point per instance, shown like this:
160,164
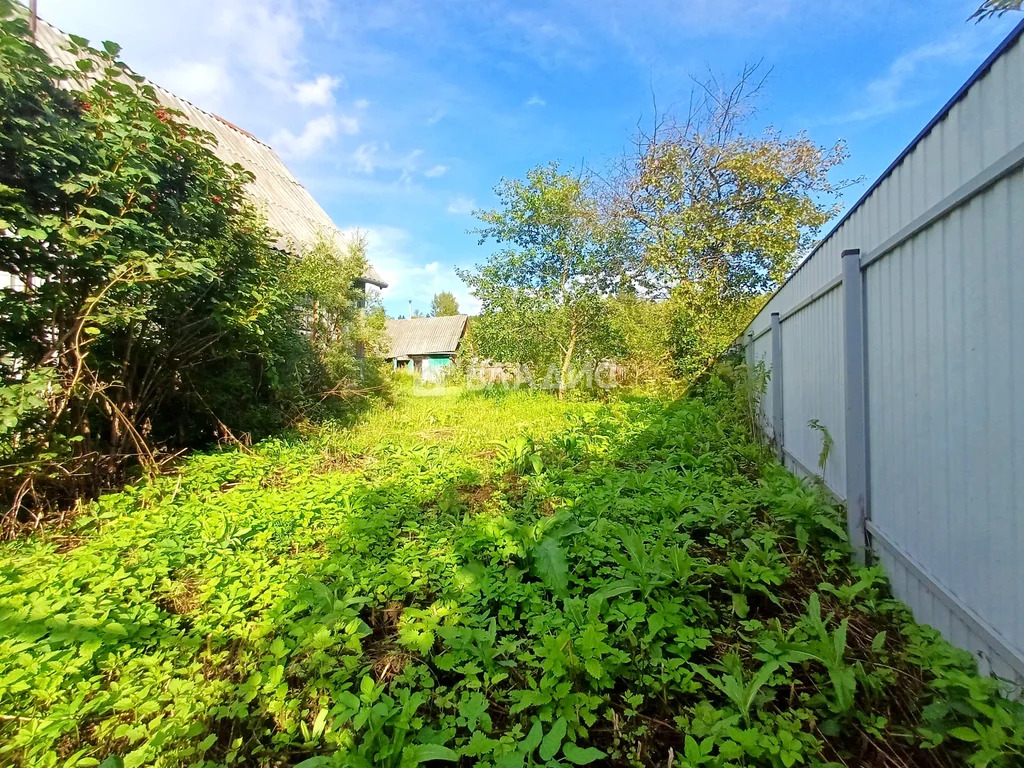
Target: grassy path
489,580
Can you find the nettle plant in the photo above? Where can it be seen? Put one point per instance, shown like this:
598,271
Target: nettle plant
151,299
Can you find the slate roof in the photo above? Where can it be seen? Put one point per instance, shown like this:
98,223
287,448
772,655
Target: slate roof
290,209
425,335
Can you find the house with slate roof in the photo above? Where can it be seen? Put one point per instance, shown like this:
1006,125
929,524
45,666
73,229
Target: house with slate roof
425,345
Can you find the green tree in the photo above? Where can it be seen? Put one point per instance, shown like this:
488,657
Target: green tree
644,330
325,279
543,294
701,327
148,286
721,214
991,8
444,304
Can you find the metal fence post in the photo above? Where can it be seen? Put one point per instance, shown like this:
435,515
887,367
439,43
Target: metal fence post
857,512
777,423
749,350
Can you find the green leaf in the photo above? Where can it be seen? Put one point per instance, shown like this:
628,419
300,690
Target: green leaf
511,760
758,682
115,628
740,605
839,640
319,724
964,734
315,762
533,738
581,755
553,741
802,537
844,680
472,708
423,753
691,750
551,566
366,686
879,642
538,463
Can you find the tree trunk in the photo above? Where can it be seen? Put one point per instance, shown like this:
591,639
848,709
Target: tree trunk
566,363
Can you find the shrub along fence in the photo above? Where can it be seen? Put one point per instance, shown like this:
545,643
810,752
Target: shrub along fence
901,338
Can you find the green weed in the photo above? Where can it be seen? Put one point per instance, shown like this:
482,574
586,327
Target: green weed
495,581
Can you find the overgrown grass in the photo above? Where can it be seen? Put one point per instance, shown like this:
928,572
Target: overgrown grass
497,580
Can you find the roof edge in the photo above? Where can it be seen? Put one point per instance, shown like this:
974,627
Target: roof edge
157,86
242,133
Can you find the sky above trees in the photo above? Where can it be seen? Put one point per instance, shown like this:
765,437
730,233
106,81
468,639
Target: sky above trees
401,116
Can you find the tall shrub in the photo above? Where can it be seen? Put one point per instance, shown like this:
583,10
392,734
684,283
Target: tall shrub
150,310
543,295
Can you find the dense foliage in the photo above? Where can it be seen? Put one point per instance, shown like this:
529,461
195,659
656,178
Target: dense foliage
717,207
343,327
493,580
444,304
543,293
496,578
150,310
688,232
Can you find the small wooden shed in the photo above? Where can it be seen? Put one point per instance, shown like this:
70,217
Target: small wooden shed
425,345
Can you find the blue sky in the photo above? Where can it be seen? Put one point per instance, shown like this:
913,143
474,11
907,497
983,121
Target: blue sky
400,116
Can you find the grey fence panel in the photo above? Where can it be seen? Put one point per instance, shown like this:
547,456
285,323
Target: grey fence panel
813,388
945,376
941,236
762,354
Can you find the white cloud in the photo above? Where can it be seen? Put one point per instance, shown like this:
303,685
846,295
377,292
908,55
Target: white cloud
246,61
364,159
437,170
265,35
408,164
461,205
535,101
372,156
361,104
893,91
553,40
319,92
347,124
437,117
201,82
317,133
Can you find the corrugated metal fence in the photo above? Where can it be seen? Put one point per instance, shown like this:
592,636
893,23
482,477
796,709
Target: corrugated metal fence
903,334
